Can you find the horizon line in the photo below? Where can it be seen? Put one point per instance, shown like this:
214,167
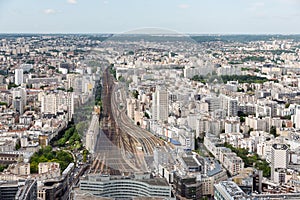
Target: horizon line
124,33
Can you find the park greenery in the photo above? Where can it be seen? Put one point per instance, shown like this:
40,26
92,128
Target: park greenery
253,58
198,78
225,78
98,90
244,79
235,62
48,155
70,138
251,159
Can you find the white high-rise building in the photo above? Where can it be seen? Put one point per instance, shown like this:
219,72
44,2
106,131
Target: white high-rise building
54,102
19,93
297,117
279,162
19,76
232,126
160,104
214,103
19,99
232,108
48,102
18,105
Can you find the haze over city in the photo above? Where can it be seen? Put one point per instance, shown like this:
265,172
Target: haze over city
184,16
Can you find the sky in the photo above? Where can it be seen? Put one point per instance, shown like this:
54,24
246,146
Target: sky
121,16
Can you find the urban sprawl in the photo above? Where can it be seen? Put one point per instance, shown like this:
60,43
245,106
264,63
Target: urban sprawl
143,116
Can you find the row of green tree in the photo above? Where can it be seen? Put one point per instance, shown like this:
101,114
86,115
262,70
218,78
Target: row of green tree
69,138
244,78
253,58
98,90
198,78
3,104
113,71
251,160
225,78
47,155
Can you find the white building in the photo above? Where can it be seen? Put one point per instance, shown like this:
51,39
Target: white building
19,76
26,67
229,70
279,162
54,102
160,104
232,126
297,117
19,99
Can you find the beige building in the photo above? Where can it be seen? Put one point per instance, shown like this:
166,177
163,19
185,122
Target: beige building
19,168
49,167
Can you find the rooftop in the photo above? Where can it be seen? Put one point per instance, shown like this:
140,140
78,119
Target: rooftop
280,146
190,161
230,188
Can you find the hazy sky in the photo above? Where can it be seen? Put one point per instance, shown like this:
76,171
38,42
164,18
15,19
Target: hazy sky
116,16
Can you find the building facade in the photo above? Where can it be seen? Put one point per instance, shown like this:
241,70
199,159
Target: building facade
125,187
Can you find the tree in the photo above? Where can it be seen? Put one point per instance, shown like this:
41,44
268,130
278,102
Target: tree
70,89
273,131
251,160
85,153
135,94
3,167
242,119
18,145
47,155
113,71
146,115
121,79
12,85
250,130
3,104
240,90
198,79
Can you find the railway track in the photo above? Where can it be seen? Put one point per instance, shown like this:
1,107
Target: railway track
116,148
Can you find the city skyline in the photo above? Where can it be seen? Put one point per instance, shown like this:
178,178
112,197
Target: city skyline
111,16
